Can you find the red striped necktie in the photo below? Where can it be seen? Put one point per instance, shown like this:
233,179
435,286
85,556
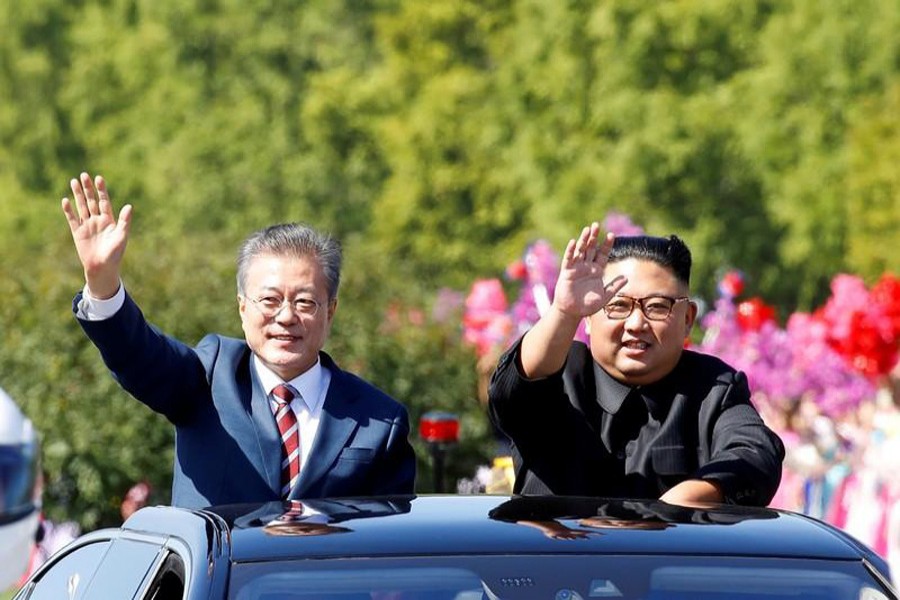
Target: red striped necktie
294,513
290,438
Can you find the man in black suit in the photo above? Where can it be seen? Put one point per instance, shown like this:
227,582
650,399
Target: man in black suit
635,414
336,434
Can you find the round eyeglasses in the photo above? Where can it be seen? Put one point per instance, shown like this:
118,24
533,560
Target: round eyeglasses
271,306
655,308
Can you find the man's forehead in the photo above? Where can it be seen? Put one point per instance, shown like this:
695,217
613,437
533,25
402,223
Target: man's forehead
265,264
276,271
645,277
281,257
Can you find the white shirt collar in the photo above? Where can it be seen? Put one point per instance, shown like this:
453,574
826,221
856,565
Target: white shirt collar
308,384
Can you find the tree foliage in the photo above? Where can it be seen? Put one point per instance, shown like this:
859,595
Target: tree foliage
435,139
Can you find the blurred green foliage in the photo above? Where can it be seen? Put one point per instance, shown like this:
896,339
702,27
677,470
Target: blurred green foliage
435,139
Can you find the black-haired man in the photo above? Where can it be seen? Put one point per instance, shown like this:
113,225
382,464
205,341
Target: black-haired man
635,414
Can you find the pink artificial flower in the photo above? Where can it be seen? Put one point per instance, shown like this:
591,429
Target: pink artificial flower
820,371
486,325
621,225
541,272
541,264
786,364
486,296
849,297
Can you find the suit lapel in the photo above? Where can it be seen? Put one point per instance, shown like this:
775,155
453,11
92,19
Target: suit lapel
267,436
338,421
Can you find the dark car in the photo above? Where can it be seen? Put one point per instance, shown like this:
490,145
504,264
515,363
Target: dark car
464,548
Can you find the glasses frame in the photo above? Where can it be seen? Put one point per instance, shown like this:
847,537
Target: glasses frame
640,302
298,312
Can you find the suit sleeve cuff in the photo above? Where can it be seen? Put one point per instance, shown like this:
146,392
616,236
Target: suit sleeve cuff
94,309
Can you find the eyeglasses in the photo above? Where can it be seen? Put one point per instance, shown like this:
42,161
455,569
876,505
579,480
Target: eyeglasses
655,308
271,306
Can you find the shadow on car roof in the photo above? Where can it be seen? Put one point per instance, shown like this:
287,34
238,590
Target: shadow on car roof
524,524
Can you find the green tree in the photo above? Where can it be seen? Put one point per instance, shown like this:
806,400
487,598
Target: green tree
794,113
451,185
873,186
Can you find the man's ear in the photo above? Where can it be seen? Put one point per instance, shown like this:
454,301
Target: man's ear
690,315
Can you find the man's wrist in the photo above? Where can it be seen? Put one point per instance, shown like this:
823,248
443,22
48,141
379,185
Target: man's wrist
102,288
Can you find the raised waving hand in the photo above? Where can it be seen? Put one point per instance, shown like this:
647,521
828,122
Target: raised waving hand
580,289
580,292
99,237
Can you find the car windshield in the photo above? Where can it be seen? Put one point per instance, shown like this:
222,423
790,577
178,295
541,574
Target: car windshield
569,577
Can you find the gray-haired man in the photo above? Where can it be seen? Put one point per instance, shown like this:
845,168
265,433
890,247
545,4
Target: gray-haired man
264,418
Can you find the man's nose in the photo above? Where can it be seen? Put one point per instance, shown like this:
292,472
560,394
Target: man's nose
286,314
636,320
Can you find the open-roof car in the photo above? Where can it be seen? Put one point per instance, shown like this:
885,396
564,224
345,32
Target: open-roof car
464,548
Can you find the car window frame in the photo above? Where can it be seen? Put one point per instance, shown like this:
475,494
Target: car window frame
156,543
103,536
166,546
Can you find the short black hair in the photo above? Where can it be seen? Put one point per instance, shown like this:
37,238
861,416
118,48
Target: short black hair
671,253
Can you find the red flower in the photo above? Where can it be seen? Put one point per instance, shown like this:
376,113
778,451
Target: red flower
863,325
517,270
886,294
753,313
732,284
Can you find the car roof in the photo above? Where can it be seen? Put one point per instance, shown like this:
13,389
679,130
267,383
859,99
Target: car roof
485,524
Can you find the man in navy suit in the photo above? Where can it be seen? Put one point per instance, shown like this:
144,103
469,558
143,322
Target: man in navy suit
353,438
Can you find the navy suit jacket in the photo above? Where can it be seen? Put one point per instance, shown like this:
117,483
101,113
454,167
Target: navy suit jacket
227,446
